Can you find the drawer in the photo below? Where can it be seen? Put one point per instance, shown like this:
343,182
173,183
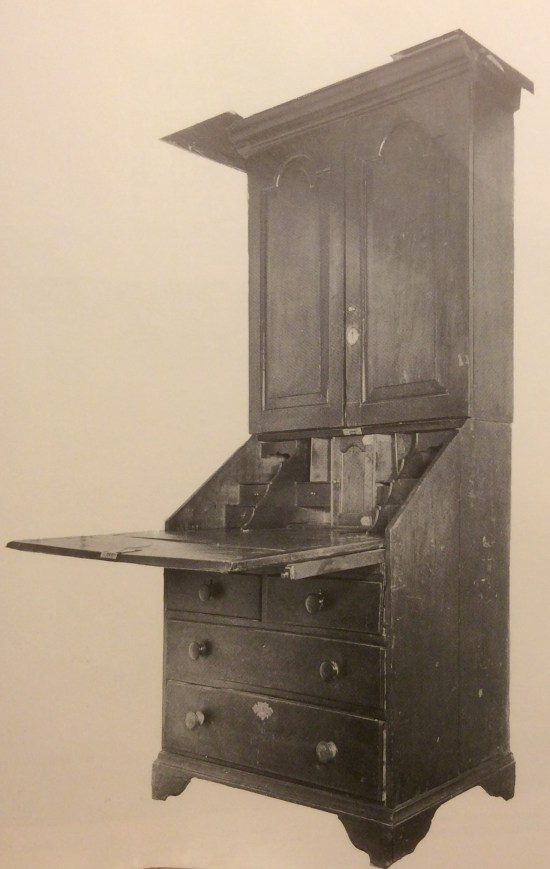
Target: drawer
335,670
303,743
198,592
345,604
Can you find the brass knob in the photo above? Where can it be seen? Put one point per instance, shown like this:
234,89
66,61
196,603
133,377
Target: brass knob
194,719
329,671
197,649
314,602
326,751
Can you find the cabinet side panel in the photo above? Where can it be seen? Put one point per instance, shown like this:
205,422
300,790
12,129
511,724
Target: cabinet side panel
484,604
423,613
493,261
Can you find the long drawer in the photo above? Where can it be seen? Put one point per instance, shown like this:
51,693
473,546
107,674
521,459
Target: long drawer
335,670
304,743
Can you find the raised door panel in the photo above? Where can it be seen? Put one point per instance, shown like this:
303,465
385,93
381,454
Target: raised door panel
407,262
296,286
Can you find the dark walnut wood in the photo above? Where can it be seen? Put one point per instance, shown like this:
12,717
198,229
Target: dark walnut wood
336,594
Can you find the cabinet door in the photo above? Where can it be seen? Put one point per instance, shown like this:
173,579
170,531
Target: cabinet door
407,260
296,194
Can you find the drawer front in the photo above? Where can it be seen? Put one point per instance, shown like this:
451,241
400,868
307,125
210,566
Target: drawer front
335,670
318,746
345,604
198,592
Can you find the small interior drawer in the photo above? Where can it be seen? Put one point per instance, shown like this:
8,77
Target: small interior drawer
336,603
196,591
334,670
304,743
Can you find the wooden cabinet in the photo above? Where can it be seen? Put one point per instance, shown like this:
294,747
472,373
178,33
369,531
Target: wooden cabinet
336,594
359,277
374,277
286,701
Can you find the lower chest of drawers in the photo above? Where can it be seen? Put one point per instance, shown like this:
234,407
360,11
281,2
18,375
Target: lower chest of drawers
286,689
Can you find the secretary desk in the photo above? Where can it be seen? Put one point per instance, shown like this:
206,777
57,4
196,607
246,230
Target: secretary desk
336,594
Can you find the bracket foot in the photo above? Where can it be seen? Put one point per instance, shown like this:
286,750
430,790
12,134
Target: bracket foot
168,781
386,843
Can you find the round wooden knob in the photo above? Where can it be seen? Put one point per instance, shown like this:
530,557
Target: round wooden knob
326,751
329,671
197,649
194,719
207,591
314,602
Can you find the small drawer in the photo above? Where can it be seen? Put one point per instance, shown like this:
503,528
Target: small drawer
303,743
344,604
194,591
335,670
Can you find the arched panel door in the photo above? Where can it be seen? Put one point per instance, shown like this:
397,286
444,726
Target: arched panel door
407,271
296,287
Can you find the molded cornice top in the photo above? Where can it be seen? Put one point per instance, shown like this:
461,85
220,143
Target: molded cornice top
235,139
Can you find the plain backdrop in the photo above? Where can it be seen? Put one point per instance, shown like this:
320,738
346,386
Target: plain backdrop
124,350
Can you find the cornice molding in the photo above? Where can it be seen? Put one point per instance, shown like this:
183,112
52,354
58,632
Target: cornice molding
232,140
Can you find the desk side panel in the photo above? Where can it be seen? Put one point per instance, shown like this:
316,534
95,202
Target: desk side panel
423,623
484,591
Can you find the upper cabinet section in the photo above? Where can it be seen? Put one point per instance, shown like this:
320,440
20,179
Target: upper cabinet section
380,242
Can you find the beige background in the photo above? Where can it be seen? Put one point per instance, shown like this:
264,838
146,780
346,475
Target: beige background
124,315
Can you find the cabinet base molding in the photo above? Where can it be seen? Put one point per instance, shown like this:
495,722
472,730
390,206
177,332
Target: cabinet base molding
385,834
